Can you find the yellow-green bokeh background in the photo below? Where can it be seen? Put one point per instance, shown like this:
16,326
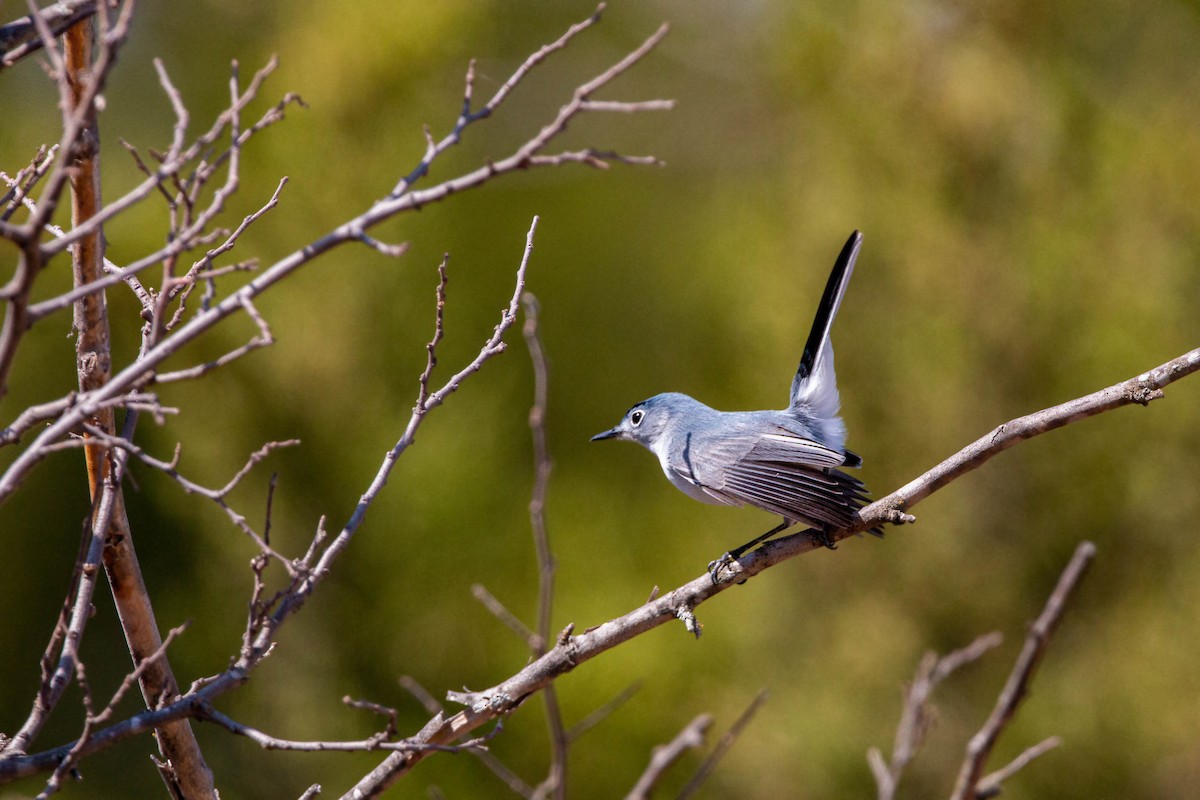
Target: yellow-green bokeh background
1027,177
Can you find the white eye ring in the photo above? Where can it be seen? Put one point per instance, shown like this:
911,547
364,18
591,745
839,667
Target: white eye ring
636,417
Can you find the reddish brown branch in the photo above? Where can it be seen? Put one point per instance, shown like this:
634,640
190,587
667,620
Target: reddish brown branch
20,37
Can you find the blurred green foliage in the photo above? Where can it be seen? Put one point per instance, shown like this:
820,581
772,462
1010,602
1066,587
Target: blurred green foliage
1026,175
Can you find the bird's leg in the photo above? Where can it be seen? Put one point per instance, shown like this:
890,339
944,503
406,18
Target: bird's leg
714,567
738,551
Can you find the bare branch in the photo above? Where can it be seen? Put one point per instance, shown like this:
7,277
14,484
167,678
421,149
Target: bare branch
376,708
389,250
399,201
68,633
664,756
626,108
556,781
204,268
19,187
439,330
510,620
600,159
268,742
981,744
990,786
1139,390
73,415
603,712
498,768
722,747
916,717
542,466
177,158
466,117
93,721
32,416
263,339
170,469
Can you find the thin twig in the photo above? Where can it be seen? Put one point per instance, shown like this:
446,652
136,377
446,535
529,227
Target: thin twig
664,756
218,496
555,784
981,744
510,620
917,716
263,339
990,785
268,742
603,712
93,721
439,330
722,747
542,466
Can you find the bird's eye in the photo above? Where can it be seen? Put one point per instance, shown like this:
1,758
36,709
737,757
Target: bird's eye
636,417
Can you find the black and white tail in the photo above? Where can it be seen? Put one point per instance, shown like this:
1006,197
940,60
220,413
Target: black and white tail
814,389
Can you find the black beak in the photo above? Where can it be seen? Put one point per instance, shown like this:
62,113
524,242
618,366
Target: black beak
609,434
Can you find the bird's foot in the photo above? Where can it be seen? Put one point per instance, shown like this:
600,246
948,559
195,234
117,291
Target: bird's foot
822,537
723,564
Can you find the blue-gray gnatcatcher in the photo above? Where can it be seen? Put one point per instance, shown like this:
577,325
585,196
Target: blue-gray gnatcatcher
785,462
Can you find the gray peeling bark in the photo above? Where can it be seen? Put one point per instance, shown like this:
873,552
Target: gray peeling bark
184,769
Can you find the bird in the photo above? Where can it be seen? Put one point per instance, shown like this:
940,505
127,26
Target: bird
788,462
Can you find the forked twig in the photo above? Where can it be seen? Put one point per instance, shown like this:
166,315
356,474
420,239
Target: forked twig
1038,638
917,716
722,747
664,756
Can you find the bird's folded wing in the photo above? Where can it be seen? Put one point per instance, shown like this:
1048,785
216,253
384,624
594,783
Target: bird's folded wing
785,446
780,472
793,476
796,491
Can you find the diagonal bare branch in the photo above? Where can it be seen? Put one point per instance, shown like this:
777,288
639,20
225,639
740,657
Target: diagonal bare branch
917,715
572,650
990,785
664,756
723,745
1015,690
